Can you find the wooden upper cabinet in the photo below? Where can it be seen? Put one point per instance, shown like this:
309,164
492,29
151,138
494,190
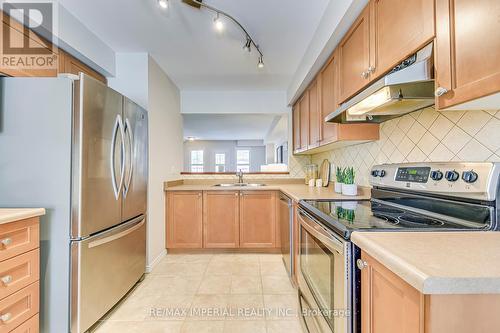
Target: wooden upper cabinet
396,37
314,116
221,219
329,96
467,50
184,219
296,126
69,64
388,304
354,57
258,215
304,121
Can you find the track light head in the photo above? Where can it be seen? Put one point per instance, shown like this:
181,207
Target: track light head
248,45
219,25
163,4
261,62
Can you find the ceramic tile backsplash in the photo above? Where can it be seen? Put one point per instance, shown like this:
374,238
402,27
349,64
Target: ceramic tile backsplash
426,135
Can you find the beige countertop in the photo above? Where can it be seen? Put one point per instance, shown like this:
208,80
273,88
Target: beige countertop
294,190
438,262
15,214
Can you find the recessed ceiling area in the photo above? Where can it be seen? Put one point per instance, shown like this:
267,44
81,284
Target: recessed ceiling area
182,39
229,126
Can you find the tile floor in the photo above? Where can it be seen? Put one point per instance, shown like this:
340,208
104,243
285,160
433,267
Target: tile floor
209,293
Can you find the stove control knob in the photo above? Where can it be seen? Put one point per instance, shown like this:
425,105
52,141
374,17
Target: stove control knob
381,173
436,175
469,176
452,176
375,173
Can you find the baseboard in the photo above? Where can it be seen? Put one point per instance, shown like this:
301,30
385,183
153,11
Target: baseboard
149,267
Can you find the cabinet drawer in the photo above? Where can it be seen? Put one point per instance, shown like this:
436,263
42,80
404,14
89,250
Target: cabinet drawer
19,272
30,326
18,237
19,307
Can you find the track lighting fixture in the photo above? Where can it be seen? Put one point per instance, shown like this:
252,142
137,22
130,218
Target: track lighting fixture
261,62
219,26
163,4
248,45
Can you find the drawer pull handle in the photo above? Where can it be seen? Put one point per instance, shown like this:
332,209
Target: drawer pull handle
5,317
6,279
6,242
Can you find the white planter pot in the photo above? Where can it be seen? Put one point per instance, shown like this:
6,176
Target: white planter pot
349,189
338,187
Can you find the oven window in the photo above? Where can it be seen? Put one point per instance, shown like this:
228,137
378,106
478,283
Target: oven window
317,264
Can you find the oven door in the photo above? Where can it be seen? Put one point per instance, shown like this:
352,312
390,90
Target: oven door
324,278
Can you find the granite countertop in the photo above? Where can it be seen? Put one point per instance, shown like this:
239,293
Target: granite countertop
8,215
438,262
294,190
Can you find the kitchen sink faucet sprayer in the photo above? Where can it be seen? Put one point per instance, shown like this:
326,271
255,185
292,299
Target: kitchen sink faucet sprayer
239,174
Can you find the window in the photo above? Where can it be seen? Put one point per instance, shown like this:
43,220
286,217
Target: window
197,161
243,160
220,162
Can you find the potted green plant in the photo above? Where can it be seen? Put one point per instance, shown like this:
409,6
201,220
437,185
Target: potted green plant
349,186
339,175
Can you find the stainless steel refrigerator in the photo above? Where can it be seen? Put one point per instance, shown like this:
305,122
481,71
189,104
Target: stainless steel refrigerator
80,150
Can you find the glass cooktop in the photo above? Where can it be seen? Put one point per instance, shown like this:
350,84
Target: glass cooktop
347,216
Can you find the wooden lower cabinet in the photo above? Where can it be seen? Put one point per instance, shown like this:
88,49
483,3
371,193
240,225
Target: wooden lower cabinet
221,220
258,219
390,305
20,275
184,219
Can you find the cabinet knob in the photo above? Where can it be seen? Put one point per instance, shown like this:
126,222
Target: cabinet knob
236,194
361,264
5,317
440,91
365,75
371,69
6,242
6,279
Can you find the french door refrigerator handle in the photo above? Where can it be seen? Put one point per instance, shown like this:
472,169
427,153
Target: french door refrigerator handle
128,130
118,126
119,235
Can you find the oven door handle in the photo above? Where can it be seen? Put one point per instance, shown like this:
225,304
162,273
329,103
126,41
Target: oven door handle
317,230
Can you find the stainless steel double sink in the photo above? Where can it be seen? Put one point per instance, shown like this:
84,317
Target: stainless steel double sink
240,185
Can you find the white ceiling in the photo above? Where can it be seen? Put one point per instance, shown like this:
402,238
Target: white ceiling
228,126
184,43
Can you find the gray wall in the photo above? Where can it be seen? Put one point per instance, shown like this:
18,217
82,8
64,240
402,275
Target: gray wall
210,148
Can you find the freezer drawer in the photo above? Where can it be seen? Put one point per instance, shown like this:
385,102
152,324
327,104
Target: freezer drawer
103,268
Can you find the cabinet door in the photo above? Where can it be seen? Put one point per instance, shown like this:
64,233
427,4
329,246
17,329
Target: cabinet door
304,121
388,304
354,56
296,126
74,66
467,50
395,37
184,220
329,95
221,219
258,219
314,116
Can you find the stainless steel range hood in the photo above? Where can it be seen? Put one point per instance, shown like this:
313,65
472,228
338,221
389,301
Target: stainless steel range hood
408,87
